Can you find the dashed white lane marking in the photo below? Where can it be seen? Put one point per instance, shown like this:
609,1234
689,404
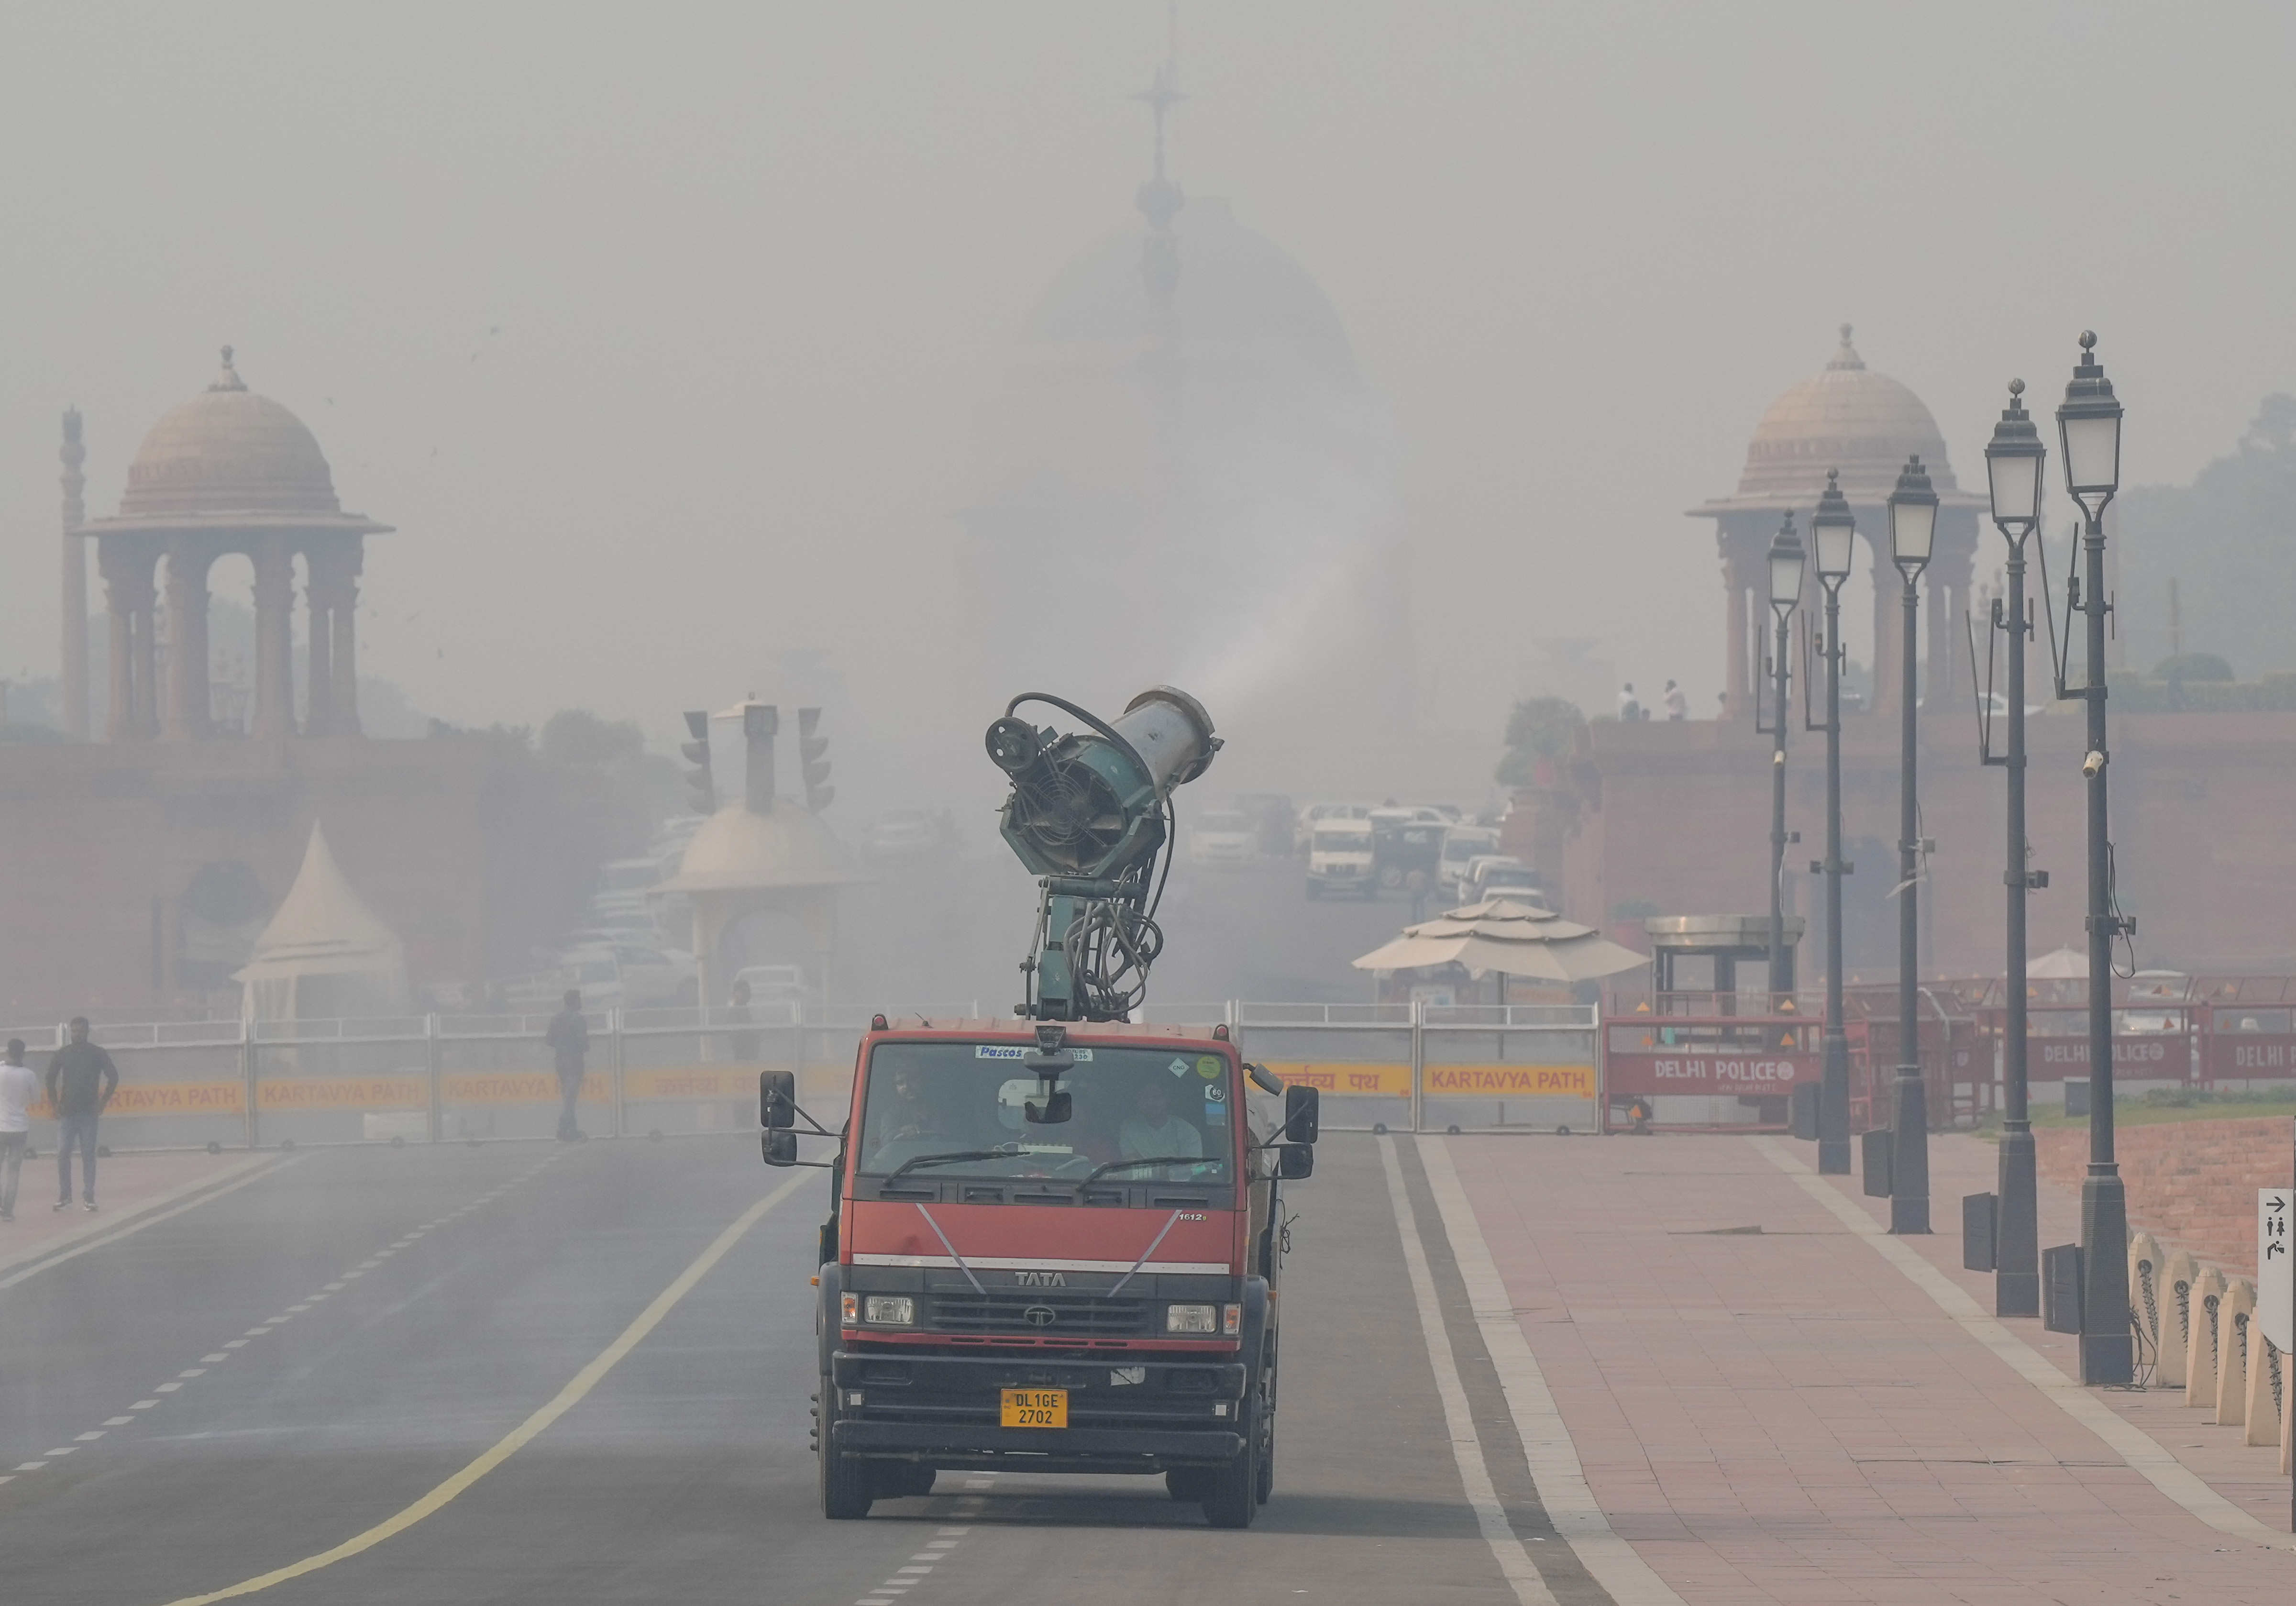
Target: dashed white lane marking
907,1578
90,1437
272,1323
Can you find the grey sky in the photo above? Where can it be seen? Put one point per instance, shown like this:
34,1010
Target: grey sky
660,332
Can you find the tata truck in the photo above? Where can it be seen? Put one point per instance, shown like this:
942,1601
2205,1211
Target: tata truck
1055,1240
1056,1248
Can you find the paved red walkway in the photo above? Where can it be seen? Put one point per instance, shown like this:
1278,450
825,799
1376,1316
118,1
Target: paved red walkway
127,1184
1783,1415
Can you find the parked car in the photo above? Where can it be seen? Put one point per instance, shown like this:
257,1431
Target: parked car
1339,859
1460,845
1500,875
1406,851
1314,814
1223,836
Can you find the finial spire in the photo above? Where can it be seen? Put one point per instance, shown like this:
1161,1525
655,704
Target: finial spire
1845,356
228,380
1159,199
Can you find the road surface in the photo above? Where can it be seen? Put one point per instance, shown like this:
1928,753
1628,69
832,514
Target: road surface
566,1375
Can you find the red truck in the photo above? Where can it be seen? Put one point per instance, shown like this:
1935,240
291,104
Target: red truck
1052,1248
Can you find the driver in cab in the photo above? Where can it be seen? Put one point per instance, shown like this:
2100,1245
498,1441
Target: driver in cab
1154,1132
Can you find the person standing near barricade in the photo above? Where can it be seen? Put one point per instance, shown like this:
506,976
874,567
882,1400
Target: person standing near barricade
81,1080
569,1037
18,1086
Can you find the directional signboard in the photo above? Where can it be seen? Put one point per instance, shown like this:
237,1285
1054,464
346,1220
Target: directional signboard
2276,1251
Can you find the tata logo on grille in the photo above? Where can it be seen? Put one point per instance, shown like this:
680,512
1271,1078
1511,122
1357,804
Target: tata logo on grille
1042,1279
1040,1315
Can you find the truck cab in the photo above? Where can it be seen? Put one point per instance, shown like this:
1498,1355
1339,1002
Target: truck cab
1055,1248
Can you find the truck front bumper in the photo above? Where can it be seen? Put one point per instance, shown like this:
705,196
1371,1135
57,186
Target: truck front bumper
1124,1415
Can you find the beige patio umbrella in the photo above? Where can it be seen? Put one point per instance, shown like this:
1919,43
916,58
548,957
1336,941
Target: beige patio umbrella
2065,964
1509,938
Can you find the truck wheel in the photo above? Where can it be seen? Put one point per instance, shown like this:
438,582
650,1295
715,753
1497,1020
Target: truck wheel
1232,1492
1390,876
848,1486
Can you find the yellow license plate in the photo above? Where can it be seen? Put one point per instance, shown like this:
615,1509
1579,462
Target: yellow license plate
1036,1408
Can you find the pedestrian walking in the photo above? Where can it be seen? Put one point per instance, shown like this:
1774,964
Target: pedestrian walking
81,1080
569,1037
18,1086
746,1047
1677,706
1630,708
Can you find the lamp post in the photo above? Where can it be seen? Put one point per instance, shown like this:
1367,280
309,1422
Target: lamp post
1833,531
1913,528
1786,561
2088,427
2012,469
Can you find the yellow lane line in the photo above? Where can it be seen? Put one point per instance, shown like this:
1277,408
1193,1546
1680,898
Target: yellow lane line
520,1437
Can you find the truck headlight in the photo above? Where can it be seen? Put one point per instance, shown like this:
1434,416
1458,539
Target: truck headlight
1191,1318
891,1310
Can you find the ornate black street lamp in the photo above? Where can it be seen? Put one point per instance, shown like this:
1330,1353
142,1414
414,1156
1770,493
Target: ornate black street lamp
1786,561
2088,426
1833,532
1913,528
2012,467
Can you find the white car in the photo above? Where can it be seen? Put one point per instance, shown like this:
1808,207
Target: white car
1339,859
1463,844
1502,876
1315,813
1223,836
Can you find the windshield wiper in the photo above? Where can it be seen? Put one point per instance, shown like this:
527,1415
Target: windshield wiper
1147,1159
949,1159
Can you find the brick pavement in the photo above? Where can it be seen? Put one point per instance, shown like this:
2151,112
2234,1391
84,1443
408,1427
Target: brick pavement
1770,1412
126,1185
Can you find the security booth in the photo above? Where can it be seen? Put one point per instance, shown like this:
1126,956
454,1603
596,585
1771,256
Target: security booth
1699,955
1701,1051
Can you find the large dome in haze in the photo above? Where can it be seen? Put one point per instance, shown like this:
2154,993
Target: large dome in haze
228,450
1240,297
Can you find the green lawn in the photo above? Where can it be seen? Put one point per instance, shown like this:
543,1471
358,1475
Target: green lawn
2142,1112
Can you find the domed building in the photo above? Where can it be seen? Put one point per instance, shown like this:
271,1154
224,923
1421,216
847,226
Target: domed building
1864,425
1185,482
226,472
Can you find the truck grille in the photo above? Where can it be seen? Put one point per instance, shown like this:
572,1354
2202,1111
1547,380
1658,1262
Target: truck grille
1050,1316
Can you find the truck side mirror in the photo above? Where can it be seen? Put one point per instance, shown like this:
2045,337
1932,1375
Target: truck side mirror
1303,1114
1295,1161
780,1148
776,1100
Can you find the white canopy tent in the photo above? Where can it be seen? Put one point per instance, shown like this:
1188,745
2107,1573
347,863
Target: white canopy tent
324,957
1508,938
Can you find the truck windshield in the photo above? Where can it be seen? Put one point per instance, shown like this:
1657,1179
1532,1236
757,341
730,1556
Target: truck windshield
967,1102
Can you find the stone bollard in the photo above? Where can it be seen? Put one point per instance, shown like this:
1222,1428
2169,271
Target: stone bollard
2178,1273
2201,1352
2234,1311
2145,1294
2264,1389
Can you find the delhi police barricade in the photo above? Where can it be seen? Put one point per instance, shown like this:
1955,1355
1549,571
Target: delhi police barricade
1422,1067
240,1083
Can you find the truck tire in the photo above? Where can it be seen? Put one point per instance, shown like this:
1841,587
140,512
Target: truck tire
1232,1493
847,1484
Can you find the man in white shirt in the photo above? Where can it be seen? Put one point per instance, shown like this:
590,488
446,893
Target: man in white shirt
19,1086
1155,1132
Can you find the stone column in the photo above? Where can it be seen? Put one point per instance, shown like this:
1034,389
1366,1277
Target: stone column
345,637
275,654
186,718
143,705
1951,574
319,657
1888,616
123,591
